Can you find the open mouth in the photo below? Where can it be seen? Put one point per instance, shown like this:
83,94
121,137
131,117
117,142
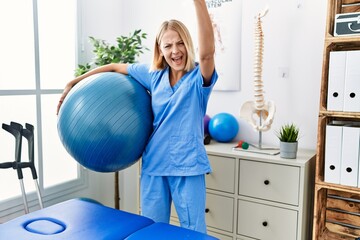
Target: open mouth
177,60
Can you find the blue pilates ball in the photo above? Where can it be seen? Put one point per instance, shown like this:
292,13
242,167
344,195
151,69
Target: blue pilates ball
105,122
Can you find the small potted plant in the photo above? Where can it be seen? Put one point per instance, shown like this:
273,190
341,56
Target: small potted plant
288,136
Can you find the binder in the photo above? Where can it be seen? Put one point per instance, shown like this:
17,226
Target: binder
333,149
350,156
352,82
336,81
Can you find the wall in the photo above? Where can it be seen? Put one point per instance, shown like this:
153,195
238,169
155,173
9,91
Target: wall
294,37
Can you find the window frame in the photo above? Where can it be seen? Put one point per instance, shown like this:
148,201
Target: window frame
14,205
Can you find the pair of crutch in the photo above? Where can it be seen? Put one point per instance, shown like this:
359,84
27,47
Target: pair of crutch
19,132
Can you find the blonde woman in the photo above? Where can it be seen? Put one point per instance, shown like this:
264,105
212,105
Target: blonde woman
174,162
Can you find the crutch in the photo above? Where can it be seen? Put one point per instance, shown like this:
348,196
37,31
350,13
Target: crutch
18,131
28,133
15,129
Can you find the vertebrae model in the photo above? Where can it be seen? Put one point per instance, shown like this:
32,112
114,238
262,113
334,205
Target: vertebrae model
260,109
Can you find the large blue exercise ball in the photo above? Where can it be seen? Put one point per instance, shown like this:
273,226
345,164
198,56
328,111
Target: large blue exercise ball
223,127
105,121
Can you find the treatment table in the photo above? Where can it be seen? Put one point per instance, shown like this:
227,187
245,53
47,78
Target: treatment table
81,219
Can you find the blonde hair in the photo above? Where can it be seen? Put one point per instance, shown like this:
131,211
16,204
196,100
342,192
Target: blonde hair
159,62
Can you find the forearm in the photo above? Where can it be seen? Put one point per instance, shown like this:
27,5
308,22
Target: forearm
205,30
112,67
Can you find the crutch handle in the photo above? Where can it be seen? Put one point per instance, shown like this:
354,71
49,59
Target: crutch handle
15,129
6,165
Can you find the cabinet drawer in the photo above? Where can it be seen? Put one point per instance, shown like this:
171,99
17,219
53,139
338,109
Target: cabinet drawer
223,176
219,236
266,222
219,212
274,182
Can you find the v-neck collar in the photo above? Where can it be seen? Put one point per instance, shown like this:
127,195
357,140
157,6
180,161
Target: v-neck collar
174,88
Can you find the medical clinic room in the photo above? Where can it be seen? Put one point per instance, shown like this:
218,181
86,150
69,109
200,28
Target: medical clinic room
180,120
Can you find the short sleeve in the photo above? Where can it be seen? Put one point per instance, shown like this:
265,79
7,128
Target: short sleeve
141,73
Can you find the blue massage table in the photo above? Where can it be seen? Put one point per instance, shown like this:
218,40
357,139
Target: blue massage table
79,219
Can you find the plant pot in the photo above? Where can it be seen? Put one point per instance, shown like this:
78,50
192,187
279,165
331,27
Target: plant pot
288,149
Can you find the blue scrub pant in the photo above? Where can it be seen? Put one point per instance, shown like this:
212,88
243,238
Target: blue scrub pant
188,194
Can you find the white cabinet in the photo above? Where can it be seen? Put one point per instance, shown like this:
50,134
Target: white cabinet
258,196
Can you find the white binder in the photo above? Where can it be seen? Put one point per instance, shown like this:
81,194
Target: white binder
336,81
333,149
352,82
350,156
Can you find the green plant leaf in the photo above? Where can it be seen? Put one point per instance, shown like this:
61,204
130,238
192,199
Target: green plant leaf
288,133
126,50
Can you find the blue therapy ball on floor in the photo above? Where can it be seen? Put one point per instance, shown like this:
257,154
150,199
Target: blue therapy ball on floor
223,127
105,122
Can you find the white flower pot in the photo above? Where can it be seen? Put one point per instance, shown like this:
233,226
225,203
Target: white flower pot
288,149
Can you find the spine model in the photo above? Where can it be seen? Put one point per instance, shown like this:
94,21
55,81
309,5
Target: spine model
259,49
259,108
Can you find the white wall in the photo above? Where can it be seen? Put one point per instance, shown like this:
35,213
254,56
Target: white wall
294,37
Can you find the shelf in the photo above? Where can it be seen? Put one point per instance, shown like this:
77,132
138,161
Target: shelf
335,213
346,39
336,207
338,187
347,115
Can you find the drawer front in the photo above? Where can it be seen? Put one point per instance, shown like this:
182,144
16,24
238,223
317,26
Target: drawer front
219,212
223,176
274,182
219,236
266,222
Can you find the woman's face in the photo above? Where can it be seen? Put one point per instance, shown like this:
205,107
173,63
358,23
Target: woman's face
172,48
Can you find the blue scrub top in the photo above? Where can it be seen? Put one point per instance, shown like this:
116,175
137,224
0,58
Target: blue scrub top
176,146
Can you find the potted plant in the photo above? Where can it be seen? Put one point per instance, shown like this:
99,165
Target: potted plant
125,51
288,136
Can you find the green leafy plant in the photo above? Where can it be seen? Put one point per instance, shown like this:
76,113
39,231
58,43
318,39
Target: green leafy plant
125,51
288,133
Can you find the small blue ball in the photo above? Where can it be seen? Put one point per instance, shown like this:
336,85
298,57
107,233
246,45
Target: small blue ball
223,127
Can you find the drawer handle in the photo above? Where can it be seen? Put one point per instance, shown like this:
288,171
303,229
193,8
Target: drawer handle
207,210
265,223
266,182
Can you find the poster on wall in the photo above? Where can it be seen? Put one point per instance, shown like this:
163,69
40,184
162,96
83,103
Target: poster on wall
226,19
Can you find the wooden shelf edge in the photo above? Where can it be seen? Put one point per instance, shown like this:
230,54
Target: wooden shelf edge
326,113
321,184
329,39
